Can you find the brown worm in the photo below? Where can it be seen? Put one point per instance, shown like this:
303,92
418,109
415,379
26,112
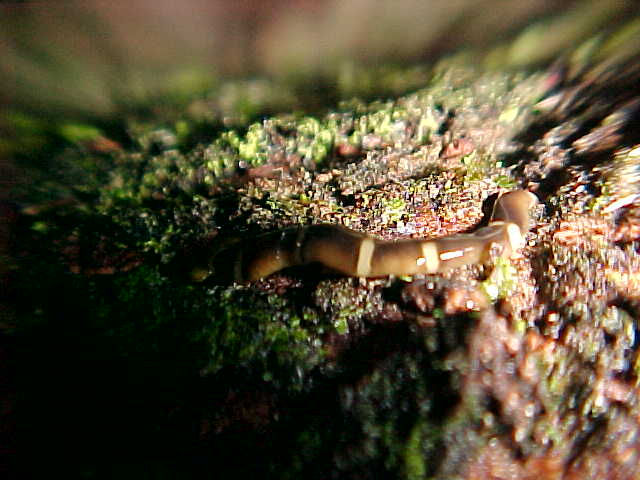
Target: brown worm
358,255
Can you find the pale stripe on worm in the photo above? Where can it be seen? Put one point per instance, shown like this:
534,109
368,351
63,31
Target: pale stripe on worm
358,255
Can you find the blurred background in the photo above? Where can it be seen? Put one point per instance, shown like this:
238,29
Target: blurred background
72,70
94,56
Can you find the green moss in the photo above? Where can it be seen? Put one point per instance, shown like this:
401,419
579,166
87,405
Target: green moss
392,414
345,304
618,182
254,147
393,210
77,133
261,333
136,209
414,455
502,281
504,181
157,195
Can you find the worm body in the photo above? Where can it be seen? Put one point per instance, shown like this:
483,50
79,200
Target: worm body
355,254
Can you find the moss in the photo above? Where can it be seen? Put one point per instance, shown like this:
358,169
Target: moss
76,133
261,333
349,376
394,210
386,413
502,280
414,454
345,304
618,183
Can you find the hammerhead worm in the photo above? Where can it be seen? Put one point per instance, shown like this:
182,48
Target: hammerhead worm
355,254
